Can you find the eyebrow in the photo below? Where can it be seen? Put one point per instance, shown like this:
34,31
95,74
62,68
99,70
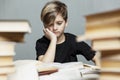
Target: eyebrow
59,21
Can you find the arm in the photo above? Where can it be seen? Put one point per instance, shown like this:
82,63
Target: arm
96,59
50,53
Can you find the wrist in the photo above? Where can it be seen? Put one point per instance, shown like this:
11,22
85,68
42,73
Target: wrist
54,40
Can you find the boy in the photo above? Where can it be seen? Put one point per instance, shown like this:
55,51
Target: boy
55,45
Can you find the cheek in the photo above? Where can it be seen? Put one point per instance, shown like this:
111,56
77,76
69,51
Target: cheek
62,27
50,29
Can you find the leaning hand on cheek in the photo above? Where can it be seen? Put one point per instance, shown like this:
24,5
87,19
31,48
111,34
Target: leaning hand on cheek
50,35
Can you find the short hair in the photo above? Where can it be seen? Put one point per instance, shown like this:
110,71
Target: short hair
51,10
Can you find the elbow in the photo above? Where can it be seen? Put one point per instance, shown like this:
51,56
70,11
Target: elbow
96,59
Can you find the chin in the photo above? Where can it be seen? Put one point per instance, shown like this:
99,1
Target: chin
58,36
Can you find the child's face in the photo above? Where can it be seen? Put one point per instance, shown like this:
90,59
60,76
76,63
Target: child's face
58,26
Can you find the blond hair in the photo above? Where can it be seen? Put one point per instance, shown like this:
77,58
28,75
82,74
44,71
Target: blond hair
51,10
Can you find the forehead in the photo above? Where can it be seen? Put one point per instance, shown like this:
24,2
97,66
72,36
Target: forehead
59,18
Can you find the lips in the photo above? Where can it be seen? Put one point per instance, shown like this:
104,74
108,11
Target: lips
55,32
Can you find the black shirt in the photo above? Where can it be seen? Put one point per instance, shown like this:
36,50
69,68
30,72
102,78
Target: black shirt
66,51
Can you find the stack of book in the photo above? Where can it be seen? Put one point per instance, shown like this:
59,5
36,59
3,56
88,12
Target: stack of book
103,29
11,32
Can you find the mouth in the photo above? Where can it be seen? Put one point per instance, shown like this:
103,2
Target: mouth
56,32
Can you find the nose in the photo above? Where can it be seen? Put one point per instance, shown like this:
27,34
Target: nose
55,27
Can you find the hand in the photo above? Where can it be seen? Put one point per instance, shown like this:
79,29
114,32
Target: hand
49,34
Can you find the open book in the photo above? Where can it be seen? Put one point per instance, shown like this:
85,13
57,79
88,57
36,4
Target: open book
48,68
67,71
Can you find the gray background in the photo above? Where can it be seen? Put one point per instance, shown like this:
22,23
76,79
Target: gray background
30,10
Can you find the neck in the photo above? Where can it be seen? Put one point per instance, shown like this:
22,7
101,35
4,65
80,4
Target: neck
61,39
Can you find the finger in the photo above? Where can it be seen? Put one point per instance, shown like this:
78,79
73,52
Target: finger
47,30
44,30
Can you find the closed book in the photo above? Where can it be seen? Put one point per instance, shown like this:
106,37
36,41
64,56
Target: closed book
109,75
3,76
7,46
111,30
7,53
103,25
106,44
110,63
6,60
110,55
14,30
106,17
110,59
7,69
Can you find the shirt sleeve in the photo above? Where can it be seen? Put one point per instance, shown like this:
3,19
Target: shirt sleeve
85,50
41,48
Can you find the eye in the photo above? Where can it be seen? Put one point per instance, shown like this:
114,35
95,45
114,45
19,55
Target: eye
59,23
